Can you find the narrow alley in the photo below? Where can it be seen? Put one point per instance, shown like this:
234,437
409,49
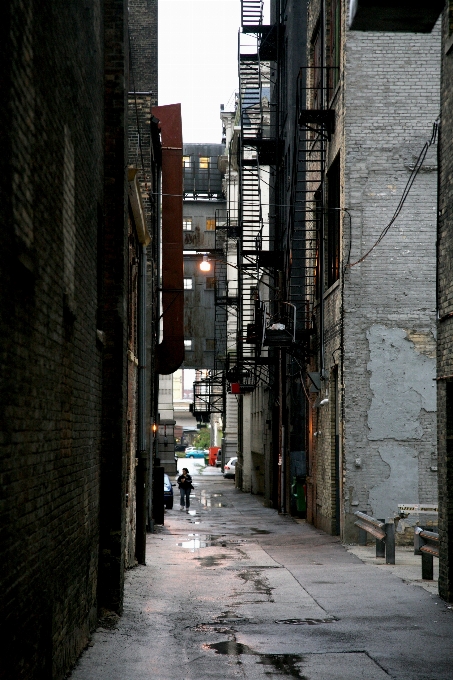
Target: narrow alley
234,590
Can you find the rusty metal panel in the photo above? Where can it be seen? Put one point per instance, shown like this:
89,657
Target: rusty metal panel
170,352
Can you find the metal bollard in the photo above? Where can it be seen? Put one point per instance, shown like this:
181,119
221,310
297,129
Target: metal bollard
362,534
390,542
417,540
427,567
380,544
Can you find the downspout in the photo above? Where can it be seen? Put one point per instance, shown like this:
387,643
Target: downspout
170,351
142,453
140,542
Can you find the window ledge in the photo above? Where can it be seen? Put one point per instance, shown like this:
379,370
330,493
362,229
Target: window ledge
330,290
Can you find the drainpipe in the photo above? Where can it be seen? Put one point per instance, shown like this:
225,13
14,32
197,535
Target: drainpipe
141,452
140,541
170,352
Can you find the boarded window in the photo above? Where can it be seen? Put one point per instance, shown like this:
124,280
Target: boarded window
333,222
334,44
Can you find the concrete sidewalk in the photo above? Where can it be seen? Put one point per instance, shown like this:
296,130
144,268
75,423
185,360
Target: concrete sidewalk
234,590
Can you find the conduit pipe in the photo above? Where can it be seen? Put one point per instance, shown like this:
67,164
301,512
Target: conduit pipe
170,351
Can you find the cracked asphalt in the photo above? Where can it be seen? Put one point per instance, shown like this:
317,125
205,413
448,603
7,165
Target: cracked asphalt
234,590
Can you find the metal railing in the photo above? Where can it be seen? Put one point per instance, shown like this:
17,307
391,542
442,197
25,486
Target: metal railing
384,533
426,544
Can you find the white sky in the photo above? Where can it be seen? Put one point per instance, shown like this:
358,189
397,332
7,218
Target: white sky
198,62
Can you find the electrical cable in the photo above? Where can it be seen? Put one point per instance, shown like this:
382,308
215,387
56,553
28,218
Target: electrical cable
407,188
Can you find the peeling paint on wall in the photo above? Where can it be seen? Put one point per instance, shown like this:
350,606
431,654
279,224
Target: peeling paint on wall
401,382
401,484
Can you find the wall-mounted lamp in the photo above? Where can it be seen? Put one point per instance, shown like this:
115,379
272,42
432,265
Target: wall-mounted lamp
324,401
205,265
154,429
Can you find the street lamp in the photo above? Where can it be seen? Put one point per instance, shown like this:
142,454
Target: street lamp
205,265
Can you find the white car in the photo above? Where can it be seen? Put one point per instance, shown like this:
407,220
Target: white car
230,468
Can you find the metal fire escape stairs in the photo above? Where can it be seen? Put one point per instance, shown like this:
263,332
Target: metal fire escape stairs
256,149
314,126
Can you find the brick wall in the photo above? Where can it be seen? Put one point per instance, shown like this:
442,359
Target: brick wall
389,299
445,324
50,366
380,319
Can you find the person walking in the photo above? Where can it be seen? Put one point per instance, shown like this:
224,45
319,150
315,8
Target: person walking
185,487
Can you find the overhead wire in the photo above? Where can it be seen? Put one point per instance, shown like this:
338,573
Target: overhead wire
407,188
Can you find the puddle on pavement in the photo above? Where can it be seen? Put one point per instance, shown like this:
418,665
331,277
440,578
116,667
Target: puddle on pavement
260,531
305,622
283,664
196,541
209,500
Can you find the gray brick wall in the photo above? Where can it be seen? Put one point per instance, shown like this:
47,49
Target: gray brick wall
385,306
389,299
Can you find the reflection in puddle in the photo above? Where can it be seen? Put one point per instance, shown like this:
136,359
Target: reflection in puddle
283,664
196,541
206,500
260,531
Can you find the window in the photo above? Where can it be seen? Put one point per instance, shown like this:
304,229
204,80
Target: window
210,283
210,224
186,162
204,162
188,344
317,71
188,284
334,44
210,345
333,222
187,224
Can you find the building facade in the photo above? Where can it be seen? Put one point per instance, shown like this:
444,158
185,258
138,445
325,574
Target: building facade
75,408
346,351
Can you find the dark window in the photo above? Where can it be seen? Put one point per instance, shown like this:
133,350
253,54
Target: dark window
210,344
334,44
333,222
449,416
316,263
317,71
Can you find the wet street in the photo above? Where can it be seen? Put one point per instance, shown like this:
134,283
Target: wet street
234,590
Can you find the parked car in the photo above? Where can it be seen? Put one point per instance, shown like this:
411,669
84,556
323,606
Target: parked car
230,468
218,460
195,453
180,447
168,492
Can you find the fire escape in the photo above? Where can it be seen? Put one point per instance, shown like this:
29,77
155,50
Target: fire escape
255,256
315,123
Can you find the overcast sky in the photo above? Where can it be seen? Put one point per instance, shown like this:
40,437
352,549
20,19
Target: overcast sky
198,62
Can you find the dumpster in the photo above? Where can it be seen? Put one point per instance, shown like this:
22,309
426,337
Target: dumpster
213,454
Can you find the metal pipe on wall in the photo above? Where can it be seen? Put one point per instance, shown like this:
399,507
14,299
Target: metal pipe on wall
141,479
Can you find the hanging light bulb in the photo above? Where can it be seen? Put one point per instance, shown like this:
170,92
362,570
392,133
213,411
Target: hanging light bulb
205,265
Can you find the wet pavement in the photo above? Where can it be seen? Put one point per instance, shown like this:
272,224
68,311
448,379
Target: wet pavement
234,590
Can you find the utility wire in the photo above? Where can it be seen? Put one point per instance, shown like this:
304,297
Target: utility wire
407,188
